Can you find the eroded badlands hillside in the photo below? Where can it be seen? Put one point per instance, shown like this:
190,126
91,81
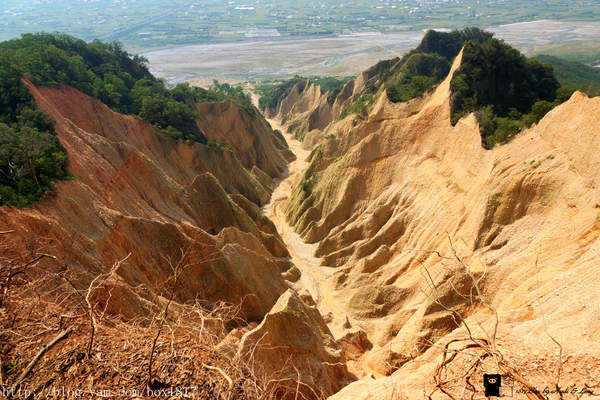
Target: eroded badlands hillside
150,234
388,255
432,241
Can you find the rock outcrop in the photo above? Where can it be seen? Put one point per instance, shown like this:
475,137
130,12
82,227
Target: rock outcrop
305,111
294,341
253,141
425,238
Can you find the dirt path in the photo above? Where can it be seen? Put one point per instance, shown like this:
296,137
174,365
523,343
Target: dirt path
315,278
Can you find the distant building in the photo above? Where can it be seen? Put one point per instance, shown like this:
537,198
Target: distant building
256,32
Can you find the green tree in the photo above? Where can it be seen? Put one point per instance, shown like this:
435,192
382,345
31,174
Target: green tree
563,94
30,160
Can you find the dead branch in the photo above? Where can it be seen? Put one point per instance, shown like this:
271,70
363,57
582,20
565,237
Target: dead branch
18,270
64,367
479,294
547,331
455,314
224,375
177,269
97,282
38,356
297,383
532,392
487,346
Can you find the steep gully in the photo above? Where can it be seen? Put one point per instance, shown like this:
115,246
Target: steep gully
316,279
523,215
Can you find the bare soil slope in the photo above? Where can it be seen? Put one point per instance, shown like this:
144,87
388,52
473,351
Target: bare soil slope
426,229
253,141
138,191
154,264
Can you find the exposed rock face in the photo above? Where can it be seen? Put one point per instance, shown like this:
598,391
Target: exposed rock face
354,343
253,141
294,337
421,230
138,191
305,111
391,199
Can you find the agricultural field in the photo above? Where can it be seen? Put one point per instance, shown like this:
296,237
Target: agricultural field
143,24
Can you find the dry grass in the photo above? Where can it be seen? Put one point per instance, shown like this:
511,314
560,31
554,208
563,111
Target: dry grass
104,355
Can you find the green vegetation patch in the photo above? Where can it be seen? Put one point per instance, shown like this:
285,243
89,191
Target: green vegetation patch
272,93
506,90
218,92
331,86
429,63
420,72
583,51
417,72
360,106
106,72
574,74
31,157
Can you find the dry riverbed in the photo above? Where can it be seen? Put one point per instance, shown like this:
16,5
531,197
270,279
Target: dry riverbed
316,279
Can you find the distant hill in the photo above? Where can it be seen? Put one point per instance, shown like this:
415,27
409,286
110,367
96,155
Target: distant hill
574,74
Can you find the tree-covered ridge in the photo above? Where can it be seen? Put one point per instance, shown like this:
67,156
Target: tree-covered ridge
104,71
218,92
30,155
417,72
404,78
506,90
448,44
429,63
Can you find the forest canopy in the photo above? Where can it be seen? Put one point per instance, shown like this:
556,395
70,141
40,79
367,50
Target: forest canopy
506,90
31,157
429,63
574,74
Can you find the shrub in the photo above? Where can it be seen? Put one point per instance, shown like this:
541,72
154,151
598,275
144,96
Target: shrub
360,106
272,93
428,64
30,160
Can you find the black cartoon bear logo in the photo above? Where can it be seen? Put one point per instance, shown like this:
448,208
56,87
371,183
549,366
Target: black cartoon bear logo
492,383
